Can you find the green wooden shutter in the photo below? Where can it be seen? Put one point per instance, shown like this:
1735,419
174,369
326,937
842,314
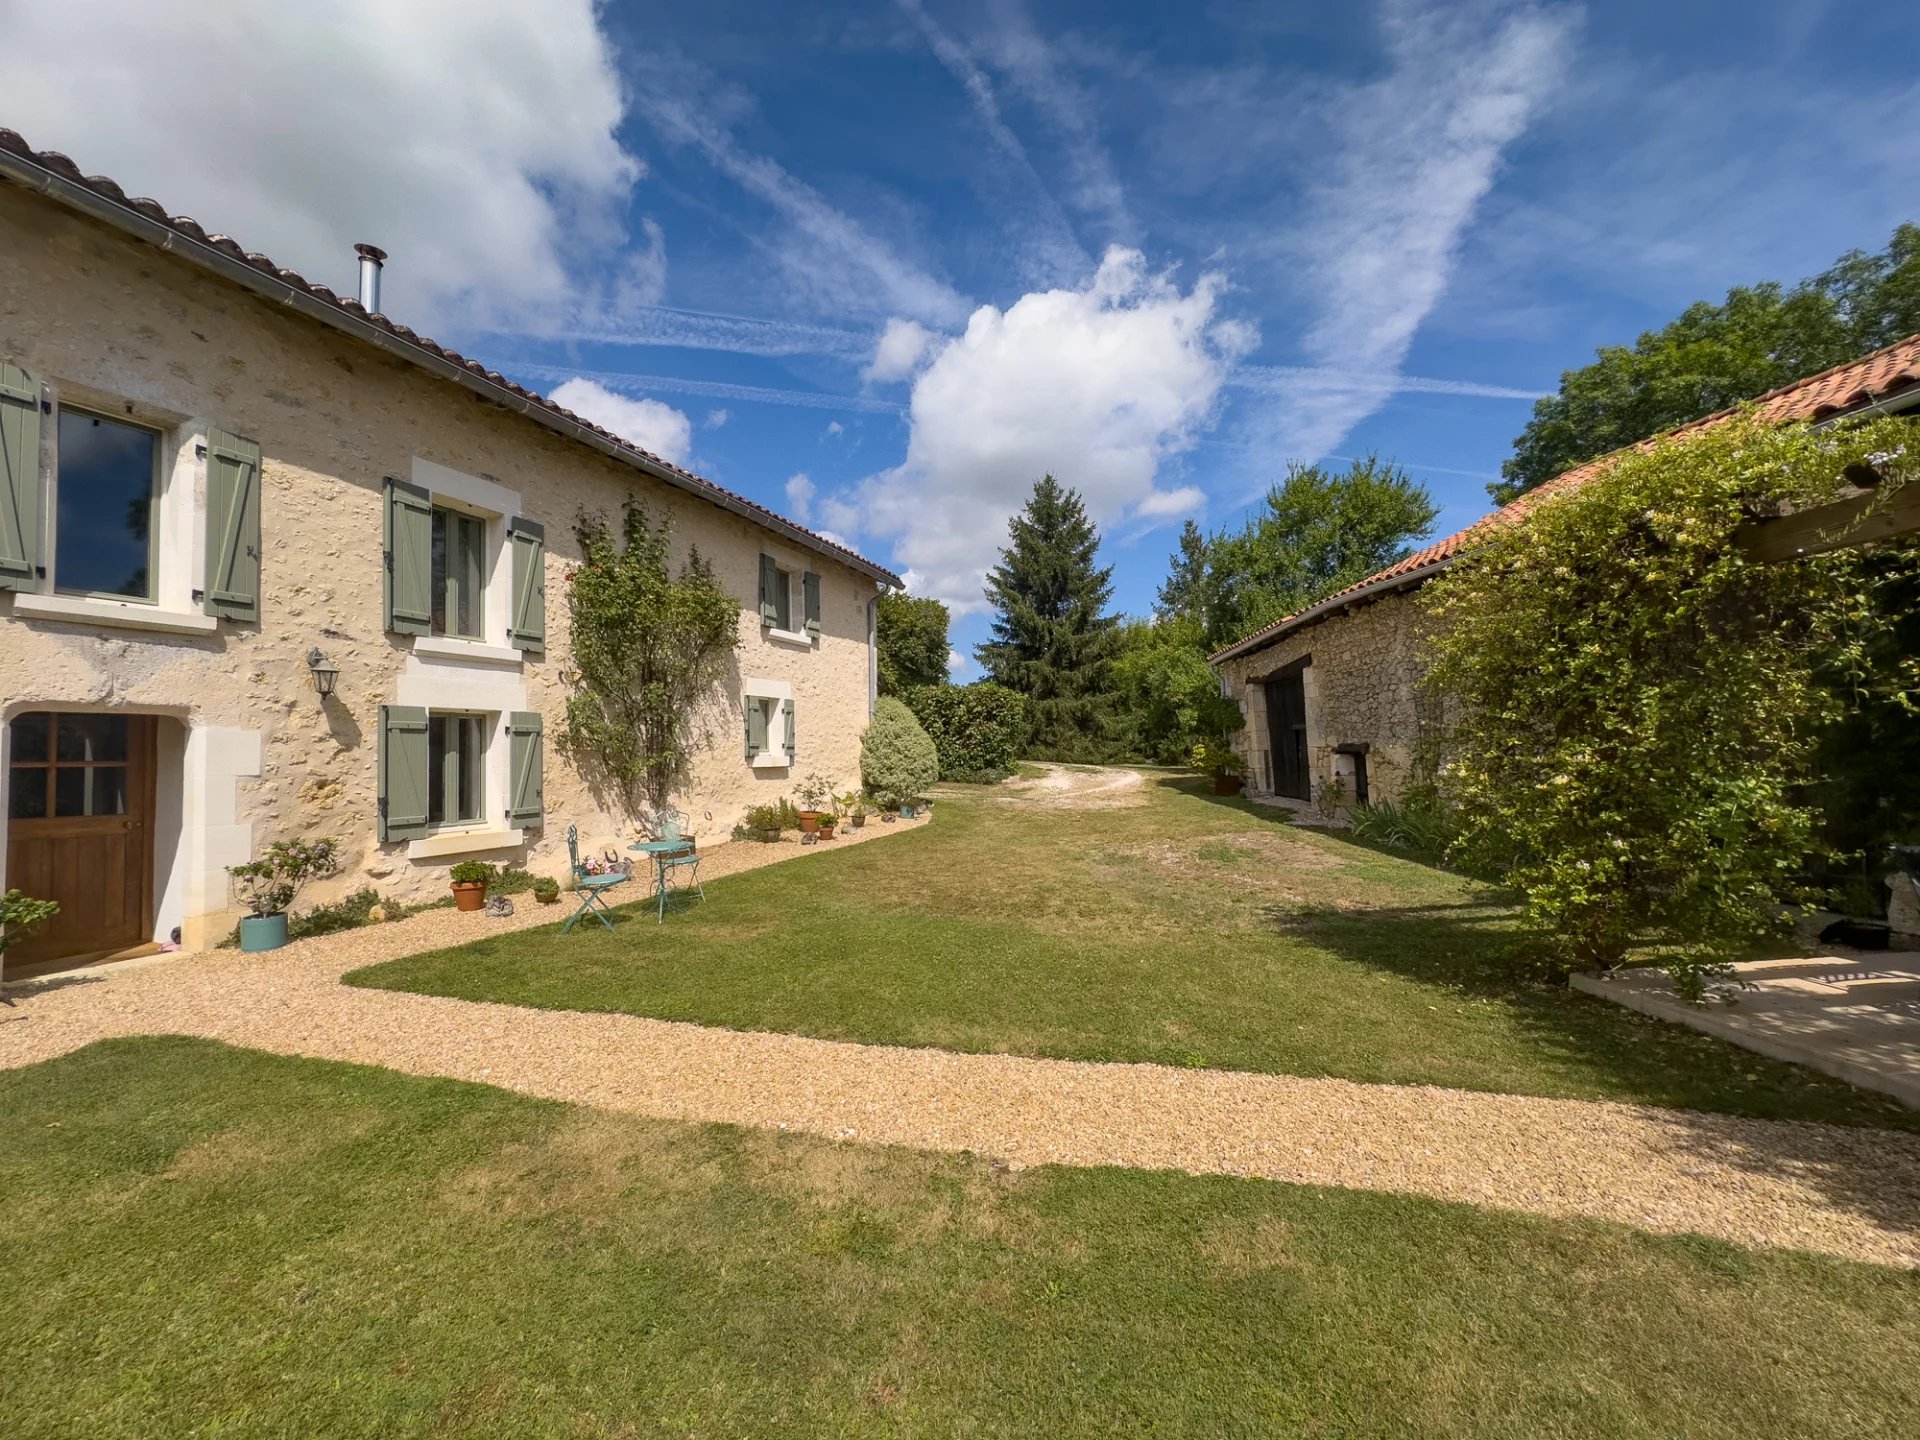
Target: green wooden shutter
756,726
528,628
409,559
769,582
233,527
526,766
403,772
19,479
810,589
788,708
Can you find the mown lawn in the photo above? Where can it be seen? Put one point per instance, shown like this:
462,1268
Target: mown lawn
1181,931
208,1241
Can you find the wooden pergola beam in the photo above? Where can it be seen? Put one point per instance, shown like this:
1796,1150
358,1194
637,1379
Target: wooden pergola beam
1852,519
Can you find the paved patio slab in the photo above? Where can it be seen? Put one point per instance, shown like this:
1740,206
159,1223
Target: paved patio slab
1855,1016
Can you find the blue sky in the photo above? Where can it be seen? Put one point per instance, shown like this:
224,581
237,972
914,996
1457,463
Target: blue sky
879,264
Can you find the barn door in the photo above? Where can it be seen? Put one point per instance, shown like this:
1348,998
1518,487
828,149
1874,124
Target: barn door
1287,722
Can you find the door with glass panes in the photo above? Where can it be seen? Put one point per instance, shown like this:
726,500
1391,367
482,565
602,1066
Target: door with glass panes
80,800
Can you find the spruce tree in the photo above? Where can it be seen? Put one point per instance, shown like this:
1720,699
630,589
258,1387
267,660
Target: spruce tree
1053,640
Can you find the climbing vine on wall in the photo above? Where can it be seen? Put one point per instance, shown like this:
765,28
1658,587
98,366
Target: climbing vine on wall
1634,707
650,648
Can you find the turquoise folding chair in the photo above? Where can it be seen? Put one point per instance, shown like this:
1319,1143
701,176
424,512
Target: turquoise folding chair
592,889
673,826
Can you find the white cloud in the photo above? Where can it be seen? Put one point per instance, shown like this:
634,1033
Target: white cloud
654,426
1413,154
956,662
1164,504
833,431
1097,385
474,140
899,350
717,418
800,497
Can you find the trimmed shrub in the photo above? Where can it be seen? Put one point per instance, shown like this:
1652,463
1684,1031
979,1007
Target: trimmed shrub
897,757
978,730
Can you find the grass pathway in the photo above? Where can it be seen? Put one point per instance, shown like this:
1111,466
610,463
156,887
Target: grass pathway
1848,1192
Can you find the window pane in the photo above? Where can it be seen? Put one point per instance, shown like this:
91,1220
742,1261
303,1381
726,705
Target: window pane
90,790
783,602
437,581
471,532
27,795
92,737
30,733
437,769
105,512
469,767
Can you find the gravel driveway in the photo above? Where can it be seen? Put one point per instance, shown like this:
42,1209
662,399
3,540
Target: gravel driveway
1844,1192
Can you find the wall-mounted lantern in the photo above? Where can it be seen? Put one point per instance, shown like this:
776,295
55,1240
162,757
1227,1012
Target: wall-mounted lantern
325,672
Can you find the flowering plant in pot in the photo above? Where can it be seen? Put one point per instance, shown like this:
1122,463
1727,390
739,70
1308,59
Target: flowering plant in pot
815,794
267,886
470,880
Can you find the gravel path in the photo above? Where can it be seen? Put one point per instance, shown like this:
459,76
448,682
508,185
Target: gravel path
1844,1192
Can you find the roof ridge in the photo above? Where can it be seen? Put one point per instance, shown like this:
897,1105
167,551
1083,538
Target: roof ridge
62,167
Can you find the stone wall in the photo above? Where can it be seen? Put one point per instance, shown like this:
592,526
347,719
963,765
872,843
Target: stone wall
113,322
1361,689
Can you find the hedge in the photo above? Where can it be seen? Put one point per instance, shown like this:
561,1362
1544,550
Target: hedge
978,729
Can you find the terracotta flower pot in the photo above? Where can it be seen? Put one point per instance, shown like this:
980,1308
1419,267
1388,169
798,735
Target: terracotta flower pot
809,821
1228,784
827,827
469,894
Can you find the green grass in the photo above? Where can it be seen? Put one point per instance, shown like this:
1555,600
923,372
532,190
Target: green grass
1186,931
201,1240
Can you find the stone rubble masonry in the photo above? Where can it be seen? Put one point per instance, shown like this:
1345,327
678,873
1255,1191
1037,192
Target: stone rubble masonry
1361,689
249,754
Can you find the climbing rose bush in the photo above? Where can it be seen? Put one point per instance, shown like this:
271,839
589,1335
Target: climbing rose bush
1632,705
897,758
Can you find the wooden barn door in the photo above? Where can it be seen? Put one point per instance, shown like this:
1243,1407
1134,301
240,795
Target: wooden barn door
1287,725
80,831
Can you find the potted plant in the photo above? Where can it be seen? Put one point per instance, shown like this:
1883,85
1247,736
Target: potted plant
470,880
855,805
546,890
1218,759
815,794
21,915
267,887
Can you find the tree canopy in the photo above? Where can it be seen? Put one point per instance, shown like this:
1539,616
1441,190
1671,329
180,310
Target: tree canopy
912,634
1053,639
1318,531
1715,356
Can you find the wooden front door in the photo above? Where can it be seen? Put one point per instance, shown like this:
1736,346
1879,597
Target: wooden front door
80,799
1287,732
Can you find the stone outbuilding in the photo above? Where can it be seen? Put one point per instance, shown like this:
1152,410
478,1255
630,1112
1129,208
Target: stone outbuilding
1331,696
275,567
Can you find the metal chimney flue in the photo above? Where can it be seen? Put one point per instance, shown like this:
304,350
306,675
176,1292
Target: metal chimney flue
371,258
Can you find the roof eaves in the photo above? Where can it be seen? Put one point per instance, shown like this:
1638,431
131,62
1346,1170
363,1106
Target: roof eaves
57,177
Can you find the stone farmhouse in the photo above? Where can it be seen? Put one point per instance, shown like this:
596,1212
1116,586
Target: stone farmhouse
220,482
1332,693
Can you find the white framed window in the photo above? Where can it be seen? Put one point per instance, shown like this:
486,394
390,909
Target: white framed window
457,768
771,730
465,571
106,487
789,603
114,512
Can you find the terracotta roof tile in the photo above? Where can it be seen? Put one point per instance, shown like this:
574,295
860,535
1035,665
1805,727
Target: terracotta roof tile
55,163
1846,386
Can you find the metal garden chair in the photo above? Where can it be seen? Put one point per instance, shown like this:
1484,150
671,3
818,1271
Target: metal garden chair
673,827
592,889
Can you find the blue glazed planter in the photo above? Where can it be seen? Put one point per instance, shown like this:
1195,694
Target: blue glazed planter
263,932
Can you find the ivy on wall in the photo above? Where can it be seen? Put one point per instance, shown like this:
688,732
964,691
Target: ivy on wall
1634,707
649,649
